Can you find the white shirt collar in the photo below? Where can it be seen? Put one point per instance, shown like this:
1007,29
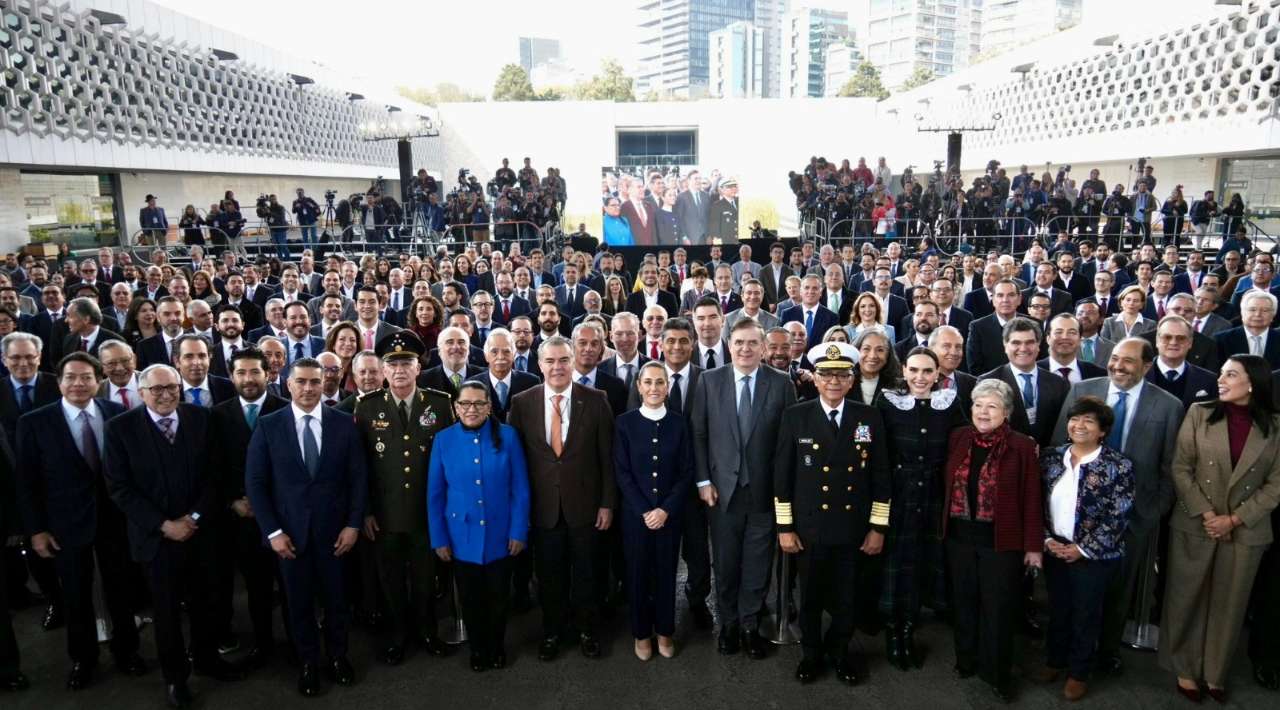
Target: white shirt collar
548,393
155,417
653,415
682,372
259,401
1133,393
1054,365
298,413
1088,458
1164,367
738,375
496,380
202,386
826,409
71,412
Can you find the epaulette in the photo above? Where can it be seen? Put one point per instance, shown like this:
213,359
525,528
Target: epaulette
441,393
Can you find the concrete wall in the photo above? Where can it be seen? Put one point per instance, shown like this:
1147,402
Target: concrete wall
13,224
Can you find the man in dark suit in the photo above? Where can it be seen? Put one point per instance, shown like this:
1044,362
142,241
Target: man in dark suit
735,418
240,546
650,295
641,216
816,317
160,348
455,363
943,292
11,677
1038,394
299,342
691,208
1060,301
1203,352
835,296
978,301
116,314
948,344
1173,371
85,332
1063,336
372,329
773,276
1255,334
507,305
198,386
923,322
1103,294
26,388
310,508
567,431
569,294
158,474
500,379
710,351
89,279
69,518
588,347
1070,279
984,346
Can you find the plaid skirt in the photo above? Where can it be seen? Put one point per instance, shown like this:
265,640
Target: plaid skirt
914,566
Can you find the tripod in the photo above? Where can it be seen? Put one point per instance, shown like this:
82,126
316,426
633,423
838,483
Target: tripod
327,220
419,223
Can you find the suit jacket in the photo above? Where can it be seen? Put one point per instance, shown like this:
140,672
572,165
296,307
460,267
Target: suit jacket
220,387
773,291
285,497
823,319
1195,385
45,392
1104,498
977,303
1080,286
1235,341
1182,281
1019,512
434,378
383,329
1206,481
1214,324
57,491
713,419
571,308
72,343
316,345
691,390
984,345
110,319
666,299
643,483
1113,303
476,531
145,486
1149,444
846,303
152,351
904,346
692,216
475,358
614,389
520,381
1203,353
1060,301
1051,390
964,383
766,320
580,481
644,232
519,307
1088,370
610,365
228,427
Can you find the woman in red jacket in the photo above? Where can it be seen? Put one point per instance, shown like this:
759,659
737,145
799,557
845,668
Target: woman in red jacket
993,525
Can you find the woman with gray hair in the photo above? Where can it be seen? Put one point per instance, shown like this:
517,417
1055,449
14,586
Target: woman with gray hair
993,525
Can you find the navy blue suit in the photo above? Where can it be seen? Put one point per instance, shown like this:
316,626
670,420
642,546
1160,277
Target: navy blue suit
317,347
1196,384
1236,342
519,307
571,306
823,319
653,464
520,381
312,513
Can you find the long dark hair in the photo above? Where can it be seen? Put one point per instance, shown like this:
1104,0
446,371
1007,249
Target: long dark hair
1262,405
492,423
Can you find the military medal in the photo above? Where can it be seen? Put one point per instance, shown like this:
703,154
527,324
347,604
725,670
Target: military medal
379,447
428,418
862,433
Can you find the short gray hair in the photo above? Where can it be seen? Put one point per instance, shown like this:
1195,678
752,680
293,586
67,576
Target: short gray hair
554,341
1254,294
144,379
587,324
19,336
498,333
86,308
949,329
994,388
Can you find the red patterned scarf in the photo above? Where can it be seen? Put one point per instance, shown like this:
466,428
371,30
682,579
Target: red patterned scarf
995,443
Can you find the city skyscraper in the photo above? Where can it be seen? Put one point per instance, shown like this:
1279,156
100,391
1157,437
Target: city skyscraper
768,19
674,39
806,34
537,50
737,66
1009,23
938,35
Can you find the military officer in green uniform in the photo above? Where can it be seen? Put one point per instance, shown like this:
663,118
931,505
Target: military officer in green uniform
398,424
831,499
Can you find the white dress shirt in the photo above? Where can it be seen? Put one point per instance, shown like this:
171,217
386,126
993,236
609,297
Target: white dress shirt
548,409
1035,388
839,410
72,415
132,388
1130,407
1073,377
1062,499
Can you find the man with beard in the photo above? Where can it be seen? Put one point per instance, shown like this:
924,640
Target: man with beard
548,321
454,368
250,312
777,351
923,322
160,348
230,327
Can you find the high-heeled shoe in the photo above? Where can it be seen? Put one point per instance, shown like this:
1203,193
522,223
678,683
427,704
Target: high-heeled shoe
1192,694
666,647
1219,695
644,649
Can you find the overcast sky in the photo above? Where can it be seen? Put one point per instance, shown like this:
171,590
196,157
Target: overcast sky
423,43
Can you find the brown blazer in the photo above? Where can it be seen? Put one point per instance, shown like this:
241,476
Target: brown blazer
580,481
1205,480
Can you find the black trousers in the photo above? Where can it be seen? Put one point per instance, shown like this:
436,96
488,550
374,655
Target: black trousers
652,558
695,549
1264,629
1121,589
240,547
522,570
565,560
19,567
316,572
183,571
985,585
1077,595
10,659
485,601
360,570
406,569
744,542
75,567
827,579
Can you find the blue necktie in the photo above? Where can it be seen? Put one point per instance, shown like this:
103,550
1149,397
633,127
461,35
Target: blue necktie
522,363
1087,349
251,416
501,388
24,399
298,354
584,380
310,449
808,323
195,397
1028,392
1116,438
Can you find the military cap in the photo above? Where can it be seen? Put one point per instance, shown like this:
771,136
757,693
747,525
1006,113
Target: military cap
400,344
833,356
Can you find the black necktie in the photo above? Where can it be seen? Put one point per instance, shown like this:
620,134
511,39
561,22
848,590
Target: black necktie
711,359
1172,375
835,425
674,399
404,414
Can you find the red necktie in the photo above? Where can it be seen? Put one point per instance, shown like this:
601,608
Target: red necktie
84,345
946,382
124,398
506,310
653,350
1159,309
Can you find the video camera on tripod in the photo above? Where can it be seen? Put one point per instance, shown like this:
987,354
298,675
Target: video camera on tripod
261,208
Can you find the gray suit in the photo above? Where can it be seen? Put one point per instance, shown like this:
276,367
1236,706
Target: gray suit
1214,324
348,308
742,523
766,320
1149,444
741,266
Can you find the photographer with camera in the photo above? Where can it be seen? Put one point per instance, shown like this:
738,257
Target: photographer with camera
272,212
1142,206
1116,209
1088,207
343,215
231,222
393,218
909,211
1099,188
1058,211
1174,211
307,212
504,217
1202,214
503,178
1018,216
425,185
373,217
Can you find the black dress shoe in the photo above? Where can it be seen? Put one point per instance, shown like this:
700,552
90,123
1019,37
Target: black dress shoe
52,618
131,665
341,672
14,682
80,677
178,695
549,648
808,670
1268,678
434,646
1109,665
219,669
757,646
478,663
729,641
499,660
1003,692
590,645
392,655
702,619
847,672
259,657
309,680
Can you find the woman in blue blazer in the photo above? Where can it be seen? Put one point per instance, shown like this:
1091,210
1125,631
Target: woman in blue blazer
1088,493
478,516
653,462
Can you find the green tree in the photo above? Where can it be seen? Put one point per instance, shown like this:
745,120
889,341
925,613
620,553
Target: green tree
611,84
443,93
865,83
551,93
512,84
919,77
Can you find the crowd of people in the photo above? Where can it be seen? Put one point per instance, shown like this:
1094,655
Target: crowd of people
669,209
864,204
921,433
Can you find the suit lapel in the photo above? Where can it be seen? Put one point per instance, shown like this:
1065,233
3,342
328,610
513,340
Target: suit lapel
69,438
579,409
761,392
539,415
294,445
729,400
1253,448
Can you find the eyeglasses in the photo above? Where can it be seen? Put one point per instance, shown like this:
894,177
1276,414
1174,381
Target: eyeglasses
835,375
468,405
163,389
